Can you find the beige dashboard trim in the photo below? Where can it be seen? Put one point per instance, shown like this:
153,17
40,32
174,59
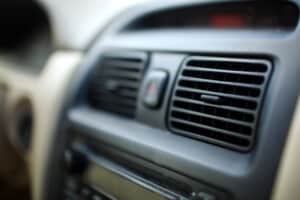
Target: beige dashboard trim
287,185
47,94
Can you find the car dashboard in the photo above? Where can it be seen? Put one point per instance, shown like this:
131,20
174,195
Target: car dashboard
172,100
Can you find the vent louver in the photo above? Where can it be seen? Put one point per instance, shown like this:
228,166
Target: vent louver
115,82
217,100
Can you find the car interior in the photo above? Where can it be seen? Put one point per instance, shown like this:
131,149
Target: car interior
149,100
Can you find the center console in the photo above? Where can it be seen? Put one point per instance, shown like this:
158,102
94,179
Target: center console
94,172
195,108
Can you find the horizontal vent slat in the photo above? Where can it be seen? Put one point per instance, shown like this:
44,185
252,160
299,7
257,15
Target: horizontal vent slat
127,64
114,99
233,96
132,58
246,86
226,88
124,69
226,101
237,65
216,130
118,96
202,114
122,75
218,99
210,122
125,83
123,93
229,108
214,112
210,136
198,69
225,78
96,101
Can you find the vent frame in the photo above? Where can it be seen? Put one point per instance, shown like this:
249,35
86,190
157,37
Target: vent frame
254,112
140,58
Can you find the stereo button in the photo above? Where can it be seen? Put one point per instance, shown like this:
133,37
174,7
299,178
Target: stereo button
75,162
85,193
202,196
97,197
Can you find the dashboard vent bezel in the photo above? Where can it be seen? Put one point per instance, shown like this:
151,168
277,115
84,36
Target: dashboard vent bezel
122,73
210,132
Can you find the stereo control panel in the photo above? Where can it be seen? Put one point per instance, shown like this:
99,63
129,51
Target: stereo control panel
94,174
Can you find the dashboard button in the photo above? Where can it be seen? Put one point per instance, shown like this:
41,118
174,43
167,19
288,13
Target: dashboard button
72,185
85,193
75,162
202,196
97,197
155,87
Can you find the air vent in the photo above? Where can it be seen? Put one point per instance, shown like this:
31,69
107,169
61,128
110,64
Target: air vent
217,100
115,82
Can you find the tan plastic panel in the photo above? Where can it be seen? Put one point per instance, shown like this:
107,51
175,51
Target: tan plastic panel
288,181
47,93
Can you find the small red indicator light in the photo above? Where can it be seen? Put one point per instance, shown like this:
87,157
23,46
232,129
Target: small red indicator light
228,21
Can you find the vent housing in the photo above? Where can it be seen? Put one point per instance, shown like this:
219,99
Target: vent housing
217,100
115,82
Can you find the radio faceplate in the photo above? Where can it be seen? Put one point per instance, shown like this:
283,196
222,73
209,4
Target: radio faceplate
123,185
95,172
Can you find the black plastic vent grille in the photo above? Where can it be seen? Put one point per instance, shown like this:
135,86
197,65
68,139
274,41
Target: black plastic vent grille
218,100
115,82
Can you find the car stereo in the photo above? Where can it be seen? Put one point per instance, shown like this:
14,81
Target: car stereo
100,174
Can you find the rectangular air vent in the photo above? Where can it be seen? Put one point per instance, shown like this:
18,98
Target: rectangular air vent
115,82
217,100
